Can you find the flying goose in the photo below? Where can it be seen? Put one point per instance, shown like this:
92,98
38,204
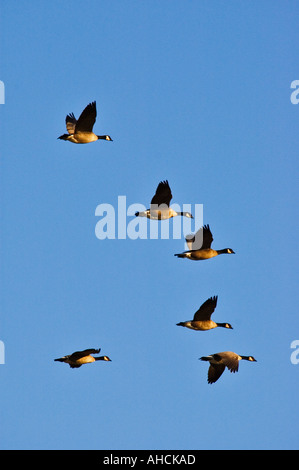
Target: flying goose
80,132
218,362
159,208
200,246
202,318
82,357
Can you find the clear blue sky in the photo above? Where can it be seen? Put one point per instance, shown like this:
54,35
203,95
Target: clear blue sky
195,92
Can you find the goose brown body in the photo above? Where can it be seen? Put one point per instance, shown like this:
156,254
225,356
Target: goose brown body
159,207
200,246
202,318
81,131
219,361
78,358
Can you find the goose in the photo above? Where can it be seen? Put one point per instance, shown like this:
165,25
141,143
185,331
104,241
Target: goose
80,132
82,357
159,209
200,246
202,318
219,361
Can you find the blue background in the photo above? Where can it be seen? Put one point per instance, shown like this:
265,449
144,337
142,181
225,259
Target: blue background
196,92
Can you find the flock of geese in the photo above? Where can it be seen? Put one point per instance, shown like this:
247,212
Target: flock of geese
81,132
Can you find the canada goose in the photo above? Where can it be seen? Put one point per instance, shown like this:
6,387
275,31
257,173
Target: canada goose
218,362
202,318
80,132
200,246
82,357
159,209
